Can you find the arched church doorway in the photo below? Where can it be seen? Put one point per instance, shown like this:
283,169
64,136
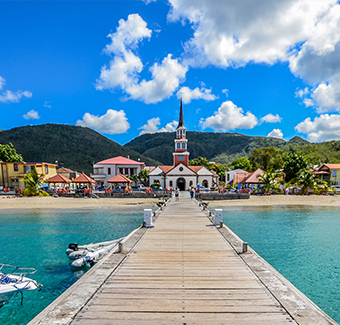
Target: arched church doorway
205,183
181,184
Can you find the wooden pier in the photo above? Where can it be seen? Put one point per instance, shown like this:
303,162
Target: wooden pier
182,271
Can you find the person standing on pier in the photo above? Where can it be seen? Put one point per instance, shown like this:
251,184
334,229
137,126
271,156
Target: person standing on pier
176,194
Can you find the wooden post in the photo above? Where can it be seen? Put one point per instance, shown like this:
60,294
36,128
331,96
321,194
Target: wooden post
244,247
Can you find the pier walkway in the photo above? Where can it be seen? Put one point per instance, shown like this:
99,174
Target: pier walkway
185,271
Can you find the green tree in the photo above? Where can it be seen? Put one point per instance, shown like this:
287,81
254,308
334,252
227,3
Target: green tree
270,181
220,170
143,176
242,163
308,180
134,178
32,184
294,162
268,158
200,161
9,154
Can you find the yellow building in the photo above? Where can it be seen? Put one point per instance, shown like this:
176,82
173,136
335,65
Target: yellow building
12,173
329,173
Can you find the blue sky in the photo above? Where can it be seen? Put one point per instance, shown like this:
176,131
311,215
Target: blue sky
266,68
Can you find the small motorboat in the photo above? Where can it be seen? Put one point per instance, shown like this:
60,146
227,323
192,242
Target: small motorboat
13,280
93,256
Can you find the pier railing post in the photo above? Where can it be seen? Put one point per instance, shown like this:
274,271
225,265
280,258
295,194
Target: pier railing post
148,217
218,217
244,247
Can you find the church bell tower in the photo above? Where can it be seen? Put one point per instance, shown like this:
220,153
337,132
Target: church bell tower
181,155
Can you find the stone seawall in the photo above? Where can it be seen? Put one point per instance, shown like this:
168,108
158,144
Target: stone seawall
222,196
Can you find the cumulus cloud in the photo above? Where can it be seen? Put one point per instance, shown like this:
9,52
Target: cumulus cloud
31,115
229,117
152,126
276,133
125,67
323,128
270,118
308,102
10,96
113,122
188,95
301,92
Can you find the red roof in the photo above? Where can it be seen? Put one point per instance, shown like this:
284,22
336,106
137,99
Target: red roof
119,179
83,179
330,166
249,178
166,169
119,161
58,179
195,169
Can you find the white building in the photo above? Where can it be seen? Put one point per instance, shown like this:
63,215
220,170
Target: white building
229,175
106,169
182,175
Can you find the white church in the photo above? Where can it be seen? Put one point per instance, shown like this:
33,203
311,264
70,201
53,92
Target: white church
182,175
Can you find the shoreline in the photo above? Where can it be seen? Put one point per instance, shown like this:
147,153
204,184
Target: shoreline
61,203
50,203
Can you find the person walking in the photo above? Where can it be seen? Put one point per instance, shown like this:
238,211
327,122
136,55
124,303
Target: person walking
192,193
176,194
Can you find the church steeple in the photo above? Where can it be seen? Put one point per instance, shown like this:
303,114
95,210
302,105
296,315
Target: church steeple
181,155
181,121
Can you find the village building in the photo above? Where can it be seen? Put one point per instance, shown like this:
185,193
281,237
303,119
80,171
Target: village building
229,175
247,180
329,173
106,169
12,174
182,175
68,173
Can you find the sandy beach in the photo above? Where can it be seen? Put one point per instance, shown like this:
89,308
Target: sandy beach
69,203
80,203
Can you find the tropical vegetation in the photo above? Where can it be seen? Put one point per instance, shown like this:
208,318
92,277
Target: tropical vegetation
9,154
33,184
270,181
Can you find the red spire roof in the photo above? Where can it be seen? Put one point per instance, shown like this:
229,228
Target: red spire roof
119,179
119,161
83,179
58,179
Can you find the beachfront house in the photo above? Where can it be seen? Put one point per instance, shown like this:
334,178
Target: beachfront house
247,180
229,175
12,173
68,173
108,168
329,173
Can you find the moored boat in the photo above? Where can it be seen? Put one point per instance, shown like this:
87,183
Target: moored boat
13,279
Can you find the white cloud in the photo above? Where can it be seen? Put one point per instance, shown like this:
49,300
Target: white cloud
113,122
152,126
301,92
270,118
125,67
327,97
226,92
188,95
323,128
276,133
31,115
47,104
308,102
2,82
229,117
226,34
10,97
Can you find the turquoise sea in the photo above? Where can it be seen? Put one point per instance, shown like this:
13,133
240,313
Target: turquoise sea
39,239
302,243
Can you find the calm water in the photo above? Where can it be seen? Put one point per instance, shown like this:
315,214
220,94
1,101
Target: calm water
39,240
301,243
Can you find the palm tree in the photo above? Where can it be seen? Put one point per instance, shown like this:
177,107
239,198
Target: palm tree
33,184
143,176
134,178
308,180
270,181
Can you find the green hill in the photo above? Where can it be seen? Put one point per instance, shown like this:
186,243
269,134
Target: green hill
218,147
73,147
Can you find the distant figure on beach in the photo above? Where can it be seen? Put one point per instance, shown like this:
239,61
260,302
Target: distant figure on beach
176,194
192,193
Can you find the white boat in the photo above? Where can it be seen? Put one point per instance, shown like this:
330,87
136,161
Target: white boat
92,257
13,279
75,251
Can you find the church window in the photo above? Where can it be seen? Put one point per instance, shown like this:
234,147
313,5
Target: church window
191,183
180,157
178,145
183,145
170,183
